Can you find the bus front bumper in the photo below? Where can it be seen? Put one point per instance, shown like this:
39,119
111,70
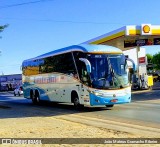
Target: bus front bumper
108,100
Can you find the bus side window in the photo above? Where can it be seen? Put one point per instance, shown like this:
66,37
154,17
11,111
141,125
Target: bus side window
84,76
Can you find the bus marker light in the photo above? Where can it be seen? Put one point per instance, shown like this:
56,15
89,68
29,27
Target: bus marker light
97,101
114,100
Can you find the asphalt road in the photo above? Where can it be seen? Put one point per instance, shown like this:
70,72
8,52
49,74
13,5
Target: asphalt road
142,111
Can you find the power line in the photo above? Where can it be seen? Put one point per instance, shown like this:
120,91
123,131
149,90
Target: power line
26,3
10,65
63,21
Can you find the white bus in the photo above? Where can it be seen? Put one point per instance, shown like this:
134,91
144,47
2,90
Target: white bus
85,75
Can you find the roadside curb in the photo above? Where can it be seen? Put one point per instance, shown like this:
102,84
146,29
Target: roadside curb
112,125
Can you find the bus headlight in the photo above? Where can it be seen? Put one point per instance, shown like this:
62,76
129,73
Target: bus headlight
97,93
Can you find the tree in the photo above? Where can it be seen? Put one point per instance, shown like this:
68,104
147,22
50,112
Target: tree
2,28
156,60
149,58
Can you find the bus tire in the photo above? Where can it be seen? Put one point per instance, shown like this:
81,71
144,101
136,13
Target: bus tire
109,106
75,100
32,97
35,98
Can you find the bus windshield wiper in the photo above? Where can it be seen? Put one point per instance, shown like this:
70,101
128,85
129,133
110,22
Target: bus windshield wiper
113,74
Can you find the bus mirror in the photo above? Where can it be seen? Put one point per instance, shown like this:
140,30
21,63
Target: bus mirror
87,63
134,67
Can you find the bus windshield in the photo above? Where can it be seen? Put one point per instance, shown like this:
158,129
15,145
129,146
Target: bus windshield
108,71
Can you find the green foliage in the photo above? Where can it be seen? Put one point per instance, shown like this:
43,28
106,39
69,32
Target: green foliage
156,60
3,27
149,58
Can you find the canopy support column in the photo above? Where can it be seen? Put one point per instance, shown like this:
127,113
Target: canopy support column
137,50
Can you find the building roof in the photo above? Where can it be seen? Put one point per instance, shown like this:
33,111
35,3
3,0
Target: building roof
130,36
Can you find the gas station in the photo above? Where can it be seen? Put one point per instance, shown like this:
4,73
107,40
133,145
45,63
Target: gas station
130,37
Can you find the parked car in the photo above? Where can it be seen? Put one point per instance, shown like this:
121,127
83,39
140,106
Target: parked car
18,91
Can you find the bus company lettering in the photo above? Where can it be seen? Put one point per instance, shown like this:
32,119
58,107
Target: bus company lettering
45,80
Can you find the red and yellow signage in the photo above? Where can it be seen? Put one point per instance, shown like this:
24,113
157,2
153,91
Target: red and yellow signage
141,42
130,36
146,29
142,60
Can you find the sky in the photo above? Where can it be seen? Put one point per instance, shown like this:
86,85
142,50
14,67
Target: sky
39,26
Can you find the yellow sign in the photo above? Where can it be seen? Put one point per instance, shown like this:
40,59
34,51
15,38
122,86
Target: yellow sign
146,29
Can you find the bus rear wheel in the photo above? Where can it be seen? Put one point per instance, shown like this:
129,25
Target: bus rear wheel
35,98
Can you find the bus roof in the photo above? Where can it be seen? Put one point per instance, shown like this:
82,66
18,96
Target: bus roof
83,48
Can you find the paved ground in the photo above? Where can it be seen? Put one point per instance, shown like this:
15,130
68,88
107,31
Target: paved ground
22,119
156,86
19,118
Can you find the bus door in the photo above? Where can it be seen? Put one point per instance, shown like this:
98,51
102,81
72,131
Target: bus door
84,75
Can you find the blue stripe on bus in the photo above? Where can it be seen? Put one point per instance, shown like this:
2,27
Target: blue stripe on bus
42,92
98,100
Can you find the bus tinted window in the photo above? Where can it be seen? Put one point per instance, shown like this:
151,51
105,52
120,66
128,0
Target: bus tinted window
61,63
31,67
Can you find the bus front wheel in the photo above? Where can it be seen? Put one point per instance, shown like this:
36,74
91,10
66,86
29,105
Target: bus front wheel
109,106
76,103
75,100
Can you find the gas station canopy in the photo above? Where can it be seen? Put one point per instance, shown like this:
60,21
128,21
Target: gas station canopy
129,37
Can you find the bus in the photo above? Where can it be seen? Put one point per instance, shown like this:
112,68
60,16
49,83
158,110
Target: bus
84,75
